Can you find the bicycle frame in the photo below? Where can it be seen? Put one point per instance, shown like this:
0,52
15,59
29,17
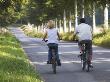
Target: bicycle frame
53,61
84,58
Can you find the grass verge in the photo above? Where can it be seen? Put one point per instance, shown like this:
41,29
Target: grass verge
14,64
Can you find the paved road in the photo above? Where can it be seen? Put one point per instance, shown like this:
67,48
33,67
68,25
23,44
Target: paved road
70,71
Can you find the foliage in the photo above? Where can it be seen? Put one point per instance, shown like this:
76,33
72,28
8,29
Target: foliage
11,11
39,11
102,39
31,31
67,36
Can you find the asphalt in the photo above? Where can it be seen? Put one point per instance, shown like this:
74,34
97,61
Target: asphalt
70,70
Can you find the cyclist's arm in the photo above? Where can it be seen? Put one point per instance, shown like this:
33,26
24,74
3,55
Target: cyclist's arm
74,36
76,31
45,35
58,35
91,32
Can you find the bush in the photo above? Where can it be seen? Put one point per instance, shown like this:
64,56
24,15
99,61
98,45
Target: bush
102,39
32,32
67,36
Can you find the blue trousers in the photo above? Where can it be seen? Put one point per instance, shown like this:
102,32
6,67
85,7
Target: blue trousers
50,46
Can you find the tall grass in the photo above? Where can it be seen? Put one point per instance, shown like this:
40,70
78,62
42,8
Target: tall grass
14,64
32,32
102,39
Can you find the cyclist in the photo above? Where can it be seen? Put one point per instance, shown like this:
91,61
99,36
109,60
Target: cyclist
84,33
53,38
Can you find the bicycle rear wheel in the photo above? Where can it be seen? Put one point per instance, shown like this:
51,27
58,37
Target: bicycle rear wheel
54,67
88,67
88,63
83,65
84,61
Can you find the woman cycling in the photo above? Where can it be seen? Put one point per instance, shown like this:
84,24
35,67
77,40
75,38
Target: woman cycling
53,39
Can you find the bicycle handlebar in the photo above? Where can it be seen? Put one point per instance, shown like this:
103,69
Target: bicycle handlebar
44,40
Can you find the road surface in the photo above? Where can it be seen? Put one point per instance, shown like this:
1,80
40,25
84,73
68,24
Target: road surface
70,71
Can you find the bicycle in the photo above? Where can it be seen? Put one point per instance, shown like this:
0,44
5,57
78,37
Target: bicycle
85,56
53,60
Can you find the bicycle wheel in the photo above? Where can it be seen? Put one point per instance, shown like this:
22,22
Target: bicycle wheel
84,61
88,67
83,65
54,66
88,63
53,61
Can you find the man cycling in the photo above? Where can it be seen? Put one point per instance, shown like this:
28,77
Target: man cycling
84,33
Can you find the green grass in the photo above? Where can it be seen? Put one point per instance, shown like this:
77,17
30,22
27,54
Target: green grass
14,64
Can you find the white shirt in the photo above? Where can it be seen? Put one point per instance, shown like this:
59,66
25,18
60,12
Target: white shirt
84,31
52,35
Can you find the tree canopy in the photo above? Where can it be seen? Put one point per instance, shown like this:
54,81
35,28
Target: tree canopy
38,11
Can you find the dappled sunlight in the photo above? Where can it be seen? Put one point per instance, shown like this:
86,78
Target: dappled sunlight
108,70
42,52
68,46
72,52
101,60
32,46
68,43
38,53
38,63
68,62
45,63
102,51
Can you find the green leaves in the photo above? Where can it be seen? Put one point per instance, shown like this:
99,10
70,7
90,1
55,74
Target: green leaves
11,10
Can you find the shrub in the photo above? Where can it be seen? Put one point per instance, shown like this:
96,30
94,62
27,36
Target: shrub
67,36
102,39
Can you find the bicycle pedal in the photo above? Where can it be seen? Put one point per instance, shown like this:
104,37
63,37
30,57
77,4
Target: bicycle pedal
48,62
90,66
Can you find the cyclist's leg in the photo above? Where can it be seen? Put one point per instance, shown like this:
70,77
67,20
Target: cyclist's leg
57,55
80,48
90,57
79,44
89,47
49,53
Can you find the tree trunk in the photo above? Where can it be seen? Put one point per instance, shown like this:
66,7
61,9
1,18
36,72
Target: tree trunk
64,17
56,25
106,16
70,21
60,27
82,13
94,21
76,19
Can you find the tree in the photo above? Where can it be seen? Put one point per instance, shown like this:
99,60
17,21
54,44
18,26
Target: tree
11,10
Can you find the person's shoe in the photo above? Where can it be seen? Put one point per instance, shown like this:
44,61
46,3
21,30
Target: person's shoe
48,62
59,63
